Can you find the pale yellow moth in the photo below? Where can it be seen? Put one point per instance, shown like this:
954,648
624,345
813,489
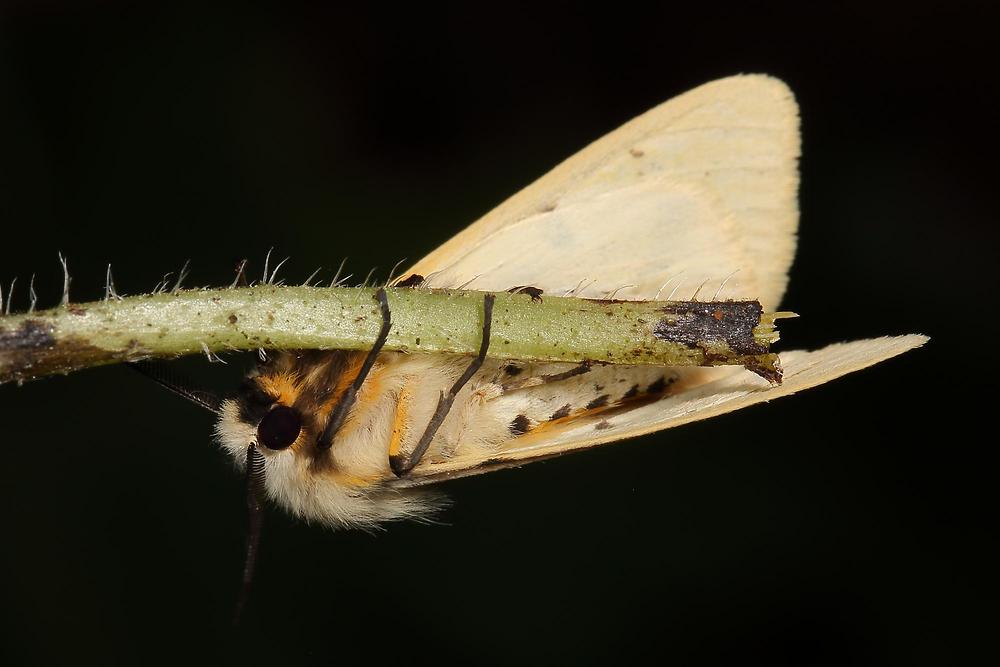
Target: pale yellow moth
697,195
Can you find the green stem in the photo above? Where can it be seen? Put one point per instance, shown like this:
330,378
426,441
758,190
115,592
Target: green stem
77,336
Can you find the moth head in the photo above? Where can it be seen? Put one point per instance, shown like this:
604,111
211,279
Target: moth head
281,409
274,412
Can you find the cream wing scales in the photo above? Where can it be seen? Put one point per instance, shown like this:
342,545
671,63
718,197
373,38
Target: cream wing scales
729,149
567,254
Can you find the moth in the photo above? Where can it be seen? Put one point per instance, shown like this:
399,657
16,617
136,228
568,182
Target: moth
696,196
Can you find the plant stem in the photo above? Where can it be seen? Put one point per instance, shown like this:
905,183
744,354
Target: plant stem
76,336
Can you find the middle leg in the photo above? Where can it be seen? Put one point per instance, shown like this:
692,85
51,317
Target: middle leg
401,462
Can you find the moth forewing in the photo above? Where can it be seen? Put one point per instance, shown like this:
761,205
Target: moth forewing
698,394
724,154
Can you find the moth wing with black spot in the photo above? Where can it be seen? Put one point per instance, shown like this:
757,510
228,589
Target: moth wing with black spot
700,395
698,188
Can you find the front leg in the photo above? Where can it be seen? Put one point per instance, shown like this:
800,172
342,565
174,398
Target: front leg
339,412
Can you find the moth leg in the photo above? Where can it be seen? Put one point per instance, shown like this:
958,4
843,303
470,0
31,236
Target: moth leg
402,463
346,402
534,292
412,280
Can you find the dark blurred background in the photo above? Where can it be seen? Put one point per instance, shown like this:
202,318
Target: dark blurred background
847,525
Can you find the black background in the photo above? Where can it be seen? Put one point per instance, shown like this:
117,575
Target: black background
843,526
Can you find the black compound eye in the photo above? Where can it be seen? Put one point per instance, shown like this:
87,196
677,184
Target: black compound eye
279,428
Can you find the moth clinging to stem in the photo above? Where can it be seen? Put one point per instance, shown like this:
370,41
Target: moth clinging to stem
696,198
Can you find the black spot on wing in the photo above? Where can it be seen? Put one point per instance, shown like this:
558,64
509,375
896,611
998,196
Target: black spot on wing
632,392
512,370
520,425
598,402
659,386
561,412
